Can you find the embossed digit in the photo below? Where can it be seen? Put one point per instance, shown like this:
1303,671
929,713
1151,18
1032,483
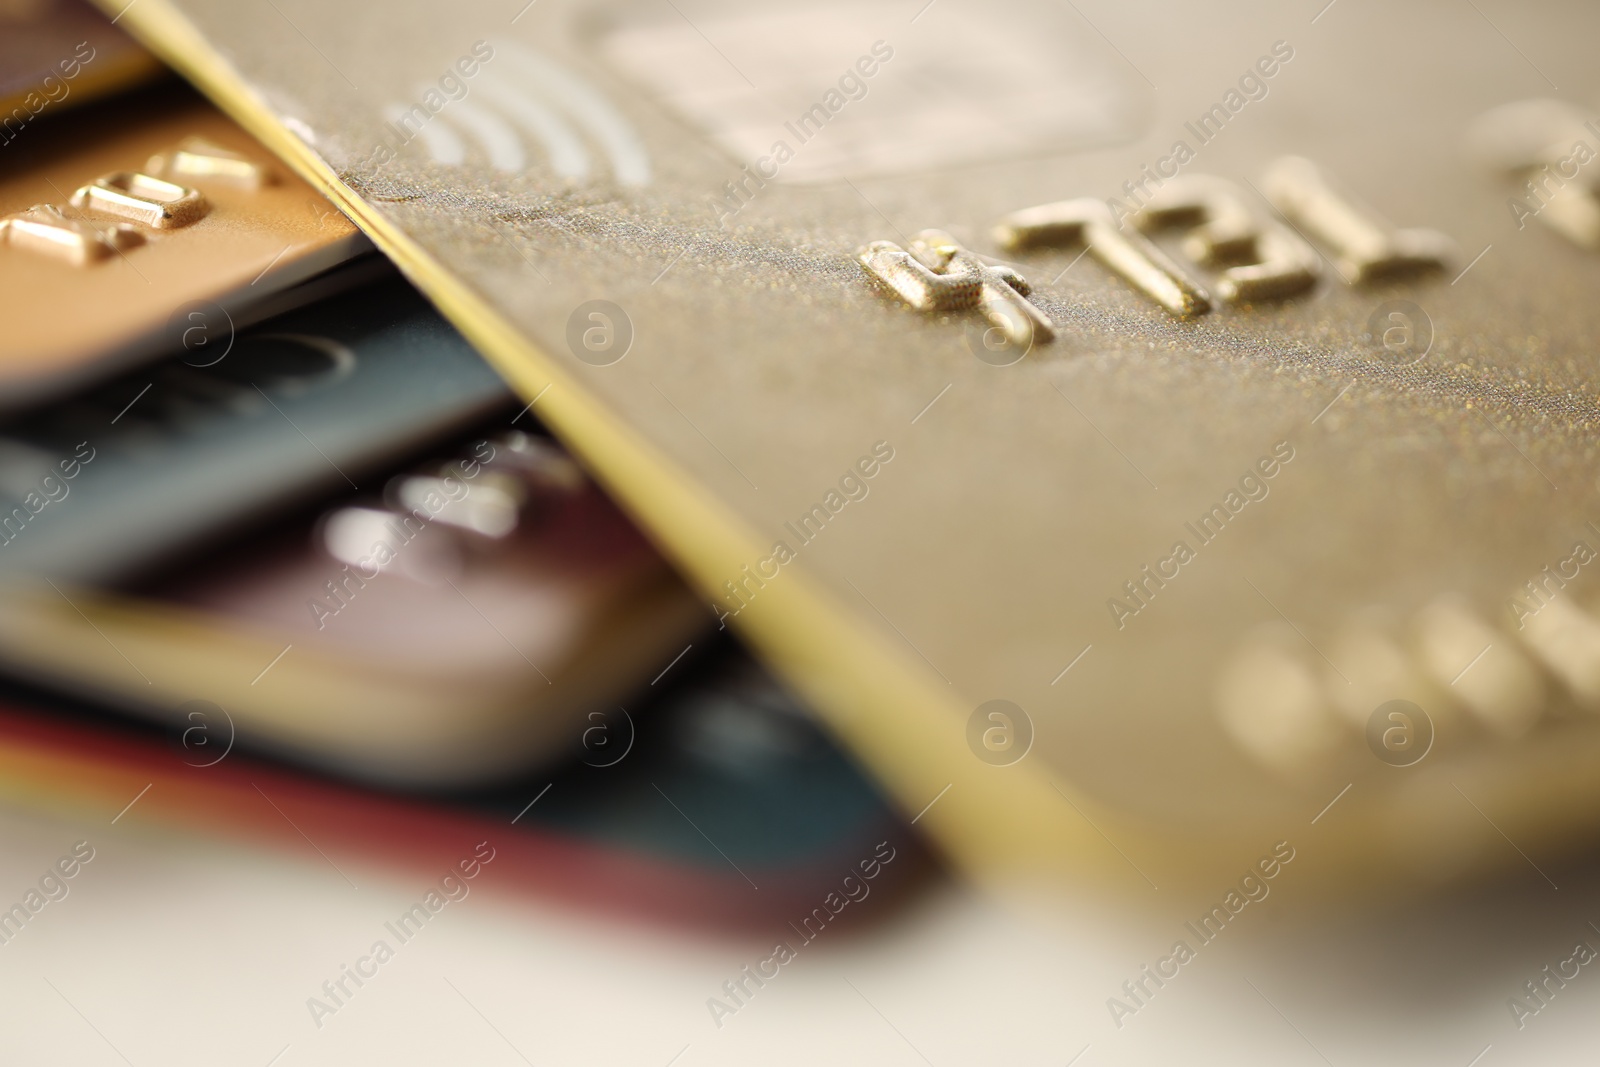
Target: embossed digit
1549,146
1131,255
197,159
45,228
1365,246
937,274
1257,259
154,202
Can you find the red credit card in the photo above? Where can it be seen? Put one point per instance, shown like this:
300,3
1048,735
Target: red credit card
720,792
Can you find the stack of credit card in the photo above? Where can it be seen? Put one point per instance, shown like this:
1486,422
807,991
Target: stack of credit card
1140,421
704,446
248,475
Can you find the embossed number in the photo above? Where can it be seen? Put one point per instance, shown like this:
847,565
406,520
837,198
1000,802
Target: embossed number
47,229
1258,259
156,203
1090,222
1365,246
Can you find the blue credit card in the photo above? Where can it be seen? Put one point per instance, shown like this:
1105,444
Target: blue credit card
94,487
724,769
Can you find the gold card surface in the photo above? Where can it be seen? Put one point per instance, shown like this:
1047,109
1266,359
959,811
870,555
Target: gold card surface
1245,389
118,222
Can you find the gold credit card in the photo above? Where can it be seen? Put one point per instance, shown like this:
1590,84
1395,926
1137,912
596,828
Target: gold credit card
125,228
1147,433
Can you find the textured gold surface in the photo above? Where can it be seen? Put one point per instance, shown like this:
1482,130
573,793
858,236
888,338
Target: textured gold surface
764,362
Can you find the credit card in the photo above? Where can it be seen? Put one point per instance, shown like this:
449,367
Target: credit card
57,54
121,223
610,830
457,622
237,427
1272,512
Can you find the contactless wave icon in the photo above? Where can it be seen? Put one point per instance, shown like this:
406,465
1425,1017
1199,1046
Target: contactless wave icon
524,110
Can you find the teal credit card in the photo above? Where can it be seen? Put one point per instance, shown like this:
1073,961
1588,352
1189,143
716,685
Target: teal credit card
235,427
